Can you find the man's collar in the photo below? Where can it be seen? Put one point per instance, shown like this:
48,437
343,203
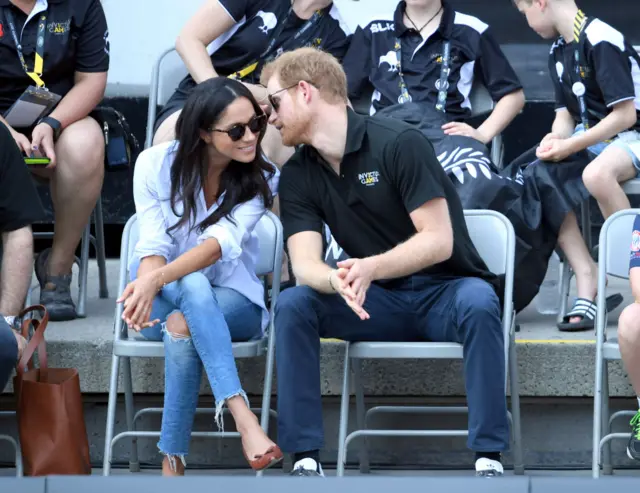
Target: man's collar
446,22
356,128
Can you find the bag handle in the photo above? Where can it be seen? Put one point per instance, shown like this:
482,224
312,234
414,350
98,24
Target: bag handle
37,340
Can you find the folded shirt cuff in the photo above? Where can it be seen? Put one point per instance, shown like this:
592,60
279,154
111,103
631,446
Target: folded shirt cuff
229,247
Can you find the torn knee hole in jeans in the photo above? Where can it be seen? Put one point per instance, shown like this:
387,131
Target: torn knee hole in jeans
172,460
219,417
175,336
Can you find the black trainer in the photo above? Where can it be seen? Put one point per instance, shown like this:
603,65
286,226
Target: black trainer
633,448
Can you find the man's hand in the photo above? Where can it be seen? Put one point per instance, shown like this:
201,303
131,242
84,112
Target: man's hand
337,278
42,143
359,276
22,141
554,149
457,128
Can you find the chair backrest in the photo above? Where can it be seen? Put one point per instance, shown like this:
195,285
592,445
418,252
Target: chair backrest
615,243
481,101
268,229
494,238
167,73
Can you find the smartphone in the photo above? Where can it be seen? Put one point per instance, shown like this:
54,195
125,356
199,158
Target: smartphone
37,161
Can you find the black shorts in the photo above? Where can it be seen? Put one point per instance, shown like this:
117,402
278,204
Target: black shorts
20,204
176,101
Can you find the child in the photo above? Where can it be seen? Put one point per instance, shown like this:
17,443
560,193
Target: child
596,75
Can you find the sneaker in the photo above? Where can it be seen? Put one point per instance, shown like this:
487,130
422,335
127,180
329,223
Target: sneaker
55,291
488,468
307,467
633,448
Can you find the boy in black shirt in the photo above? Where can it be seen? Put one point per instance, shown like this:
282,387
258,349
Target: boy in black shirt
413,275
596,75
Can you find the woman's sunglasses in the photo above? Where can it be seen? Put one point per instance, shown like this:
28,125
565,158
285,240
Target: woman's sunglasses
256,125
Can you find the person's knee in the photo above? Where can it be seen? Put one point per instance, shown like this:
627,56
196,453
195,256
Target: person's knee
196,287
292,304
177,326
477,298
81,149
598,178
629,324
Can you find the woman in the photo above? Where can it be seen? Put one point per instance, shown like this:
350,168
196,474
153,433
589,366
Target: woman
197,202
234,38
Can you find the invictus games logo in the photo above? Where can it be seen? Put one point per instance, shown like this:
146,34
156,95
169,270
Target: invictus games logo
370,178
59,27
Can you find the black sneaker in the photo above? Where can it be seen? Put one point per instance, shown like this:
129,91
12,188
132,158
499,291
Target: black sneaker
633,448
307,467
487,468
55,291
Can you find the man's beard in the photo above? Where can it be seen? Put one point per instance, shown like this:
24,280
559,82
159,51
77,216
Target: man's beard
293,134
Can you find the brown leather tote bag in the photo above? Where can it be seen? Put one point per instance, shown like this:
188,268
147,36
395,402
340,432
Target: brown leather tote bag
51,425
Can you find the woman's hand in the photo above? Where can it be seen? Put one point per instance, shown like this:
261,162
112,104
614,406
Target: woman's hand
138,299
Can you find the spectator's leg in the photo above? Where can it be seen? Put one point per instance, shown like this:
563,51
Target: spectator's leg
603,176
302,317
167,130
17,268
201,331
629,340
572,244
9,352
75,187
467,311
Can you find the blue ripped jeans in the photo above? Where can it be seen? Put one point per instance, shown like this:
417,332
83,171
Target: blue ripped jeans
216,316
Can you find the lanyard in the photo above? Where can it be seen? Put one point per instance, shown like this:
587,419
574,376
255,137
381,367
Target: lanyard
271,47
578,88
442,84
39,56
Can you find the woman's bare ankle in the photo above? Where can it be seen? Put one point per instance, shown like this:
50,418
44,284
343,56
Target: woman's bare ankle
172,466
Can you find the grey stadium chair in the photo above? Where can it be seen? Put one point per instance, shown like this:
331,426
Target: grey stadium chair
14,443
269,231
167,73
494,237
613,260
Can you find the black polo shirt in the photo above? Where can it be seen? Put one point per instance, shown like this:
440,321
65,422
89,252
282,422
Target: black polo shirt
76,40
257,21
389,169
610,72
474,53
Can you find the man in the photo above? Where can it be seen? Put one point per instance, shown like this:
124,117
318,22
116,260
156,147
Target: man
19,208
629,337
73,59
413,274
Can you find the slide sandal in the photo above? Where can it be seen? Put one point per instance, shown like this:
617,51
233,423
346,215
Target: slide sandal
586,309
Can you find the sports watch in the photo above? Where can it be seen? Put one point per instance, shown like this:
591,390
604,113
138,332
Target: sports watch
54,124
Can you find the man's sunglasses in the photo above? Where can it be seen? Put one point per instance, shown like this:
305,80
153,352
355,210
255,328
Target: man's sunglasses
256,125
275,102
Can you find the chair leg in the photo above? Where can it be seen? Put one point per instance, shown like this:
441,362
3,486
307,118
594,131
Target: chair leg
344,414
607,467
518,460
134,464
565,286
83,271
111,414
360,415
266,393
597,416
101,256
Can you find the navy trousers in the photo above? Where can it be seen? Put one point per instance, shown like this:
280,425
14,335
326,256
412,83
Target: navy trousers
420,308
8,352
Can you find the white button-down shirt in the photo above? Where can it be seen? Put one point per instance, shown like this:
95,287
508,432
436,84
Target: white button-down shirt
239,244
